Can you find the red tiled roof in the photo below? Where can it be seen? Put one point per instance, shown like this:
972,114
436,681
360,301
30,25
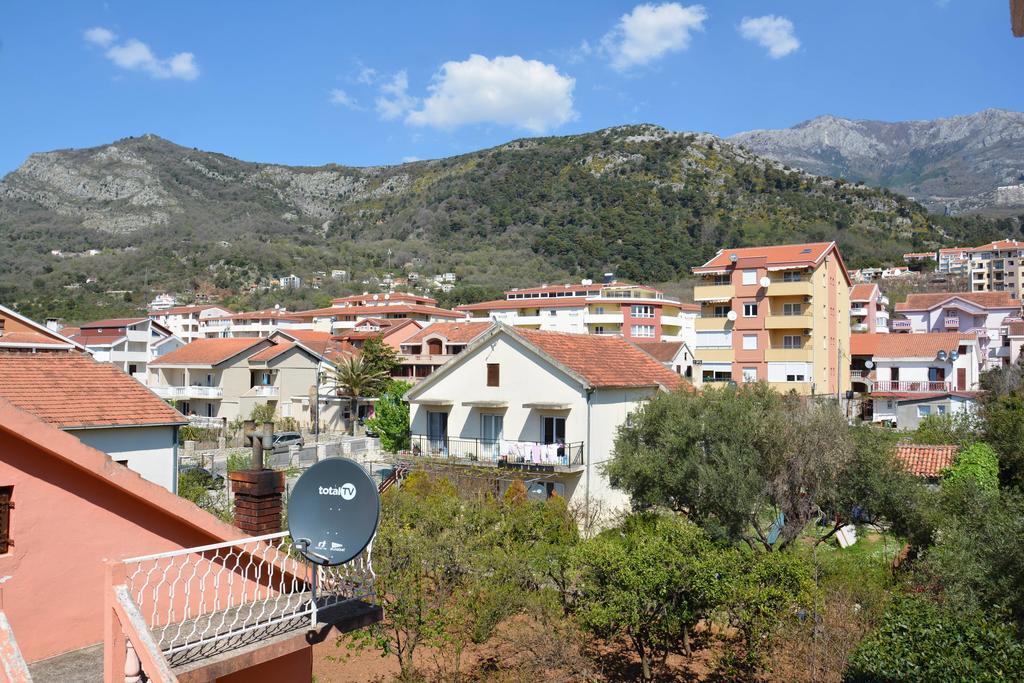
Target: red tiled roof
371,311
999,244
661,351
926,461
930,300
207,351
783,254
73,390
458,333
99,336
271,352
502,304
1016,329
955,250
30,339
602,361
863,292
394,296
112,322
915,345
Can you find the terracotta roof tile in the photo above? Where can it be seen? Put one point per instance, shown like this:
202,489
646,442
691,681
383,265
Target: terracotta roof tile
602,361
661,351
914,345
1016,328
863,292
930,300
272,352
1000,244
112,322
926,461
207,351
783,254
458,333
31,339
70,389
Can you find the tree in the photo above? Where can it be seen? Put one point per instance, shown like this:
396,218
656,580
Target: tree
1004,431
381,358
651,580
921,641
391,417
961,428
977,463
356,379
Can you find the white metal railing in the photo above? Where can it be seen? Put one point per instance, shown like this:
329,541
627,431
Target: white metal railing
188,392
265,390
206,422
201,601
912,386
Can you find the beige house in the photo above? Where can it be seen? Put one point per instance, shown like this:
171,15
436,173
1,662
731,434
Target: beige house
224,379
542,407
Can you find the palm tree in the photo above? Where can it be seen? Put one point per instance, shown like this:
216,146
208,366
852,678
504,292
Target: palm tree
356,378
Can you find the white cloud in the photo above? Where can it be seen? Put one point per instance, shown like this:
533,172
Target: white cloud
509,91
395,100
771,32
343,99
134,55
367,75
652,31
98,35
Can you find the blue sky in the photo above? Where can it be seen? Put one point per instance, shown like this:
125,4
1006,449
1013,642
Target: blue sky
376,83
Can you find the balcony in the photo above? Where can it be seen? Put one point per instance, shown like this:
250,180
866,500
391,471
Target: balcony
205,422
858,310
185,608
188,392
711,324
899,325
801,355
714,354
802,288
789,322
713,292
951,323
912,386
266,390
603,318
859,327
499,453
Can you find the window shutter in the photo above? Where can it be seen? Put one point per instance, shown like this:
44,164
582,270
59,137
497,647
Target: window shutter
6,493
493,376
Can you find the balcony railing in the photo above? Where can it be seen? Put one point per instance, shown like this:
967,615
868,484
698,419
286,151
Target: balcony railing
188,392
206,422
951,323
912,386
199,602
265,390
498,452
900,324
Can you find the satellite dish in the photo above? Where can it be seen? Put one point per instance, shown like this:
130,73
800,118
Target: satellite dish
731,315
941,355
734,258
333,511
869,364
953,355
765,281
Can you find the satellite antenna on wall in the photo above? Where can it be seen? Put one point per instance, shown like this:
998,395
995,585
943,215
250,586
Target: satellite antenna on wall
333,511
731,315
869,364
765,281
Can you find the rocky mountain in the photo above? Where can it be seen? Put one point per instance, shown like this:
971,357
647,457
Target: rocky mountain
640,200
959,164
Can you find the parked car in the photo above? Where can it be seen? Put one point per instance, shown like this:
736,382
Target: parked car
285,440
201,476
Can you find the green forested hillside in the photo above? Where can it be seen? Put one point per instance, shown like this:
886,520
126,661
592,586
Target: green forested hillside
641,201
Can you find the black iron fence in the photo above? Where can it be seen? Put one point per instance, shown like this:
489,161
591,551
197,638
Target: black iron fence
499,451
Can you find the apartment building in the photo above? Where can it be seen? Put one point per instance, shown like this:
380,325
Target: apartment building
252,324
636,312
347,312
129,343
868,312
224,379
779,314
918,257
186,322
539,407
392,332
435,345
984,314
998,267
954,261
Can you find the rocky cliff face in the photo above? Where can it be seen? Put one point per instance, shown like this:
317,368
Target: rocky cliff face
963,163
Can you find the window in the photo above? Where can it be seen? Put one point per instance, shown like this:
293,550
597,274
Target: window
599,310
792,341
941,410
924,411
553,429
722,279
795,378
6,505
792,309
722,311
599,329
493,375
643,311
792,276
749,342
749,310
750,277
643,331
749,374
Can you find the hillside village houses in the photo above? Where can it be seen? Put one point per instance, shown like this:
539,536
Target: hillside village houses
55,379
538,406
611,307
776,314
186,322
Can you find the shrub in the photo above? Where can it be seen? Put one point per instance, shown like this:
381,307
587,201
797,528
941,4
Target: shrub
978,463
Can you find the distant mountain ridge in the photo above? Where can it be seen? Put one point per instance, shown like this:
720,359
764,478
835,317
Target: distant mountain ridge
962,163
640,200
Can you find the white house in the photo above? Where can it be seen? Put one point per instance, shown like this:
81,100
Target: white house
129,343
676,356
542,407
982,313
186,322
